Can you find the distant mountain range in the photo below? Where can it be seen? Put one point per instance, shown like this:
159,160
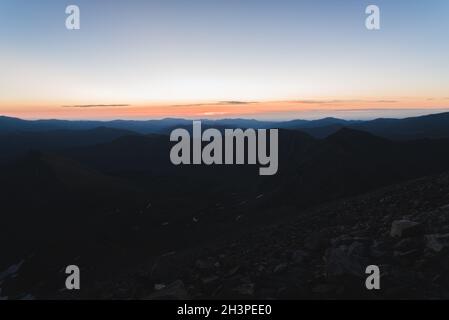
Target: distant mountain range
429,126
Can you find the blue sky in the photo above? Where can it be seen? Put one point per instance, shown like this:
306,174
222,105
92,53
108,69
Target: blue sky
148,53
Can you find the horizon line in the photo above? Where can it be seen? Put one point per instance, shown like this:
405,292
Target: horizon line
442,111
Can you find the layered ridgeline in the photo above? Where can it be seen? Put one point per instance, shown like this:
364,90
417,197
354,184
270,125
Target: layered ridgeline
431,126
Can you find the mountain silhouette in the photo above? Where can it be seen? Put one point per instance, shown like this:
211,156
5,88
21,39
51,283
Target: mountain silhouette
104,196
428,126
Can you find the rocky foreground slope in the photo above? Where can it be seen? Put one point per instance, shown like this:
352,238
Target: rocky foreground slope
321,253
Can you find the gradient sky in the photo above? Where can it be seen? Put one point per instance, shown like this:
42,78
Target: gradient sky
222,58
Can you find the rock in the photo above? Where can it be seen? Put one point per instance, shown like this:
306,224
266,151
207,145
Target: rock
405,244
174,291
246,289
159,286
217,290
378,249
316,241
11,271
357,249
347,240
346,260
280,268
2,298
233,271
323,289
261,268
437,242
163,268
209,280
413,253
299,256
204,264
405,228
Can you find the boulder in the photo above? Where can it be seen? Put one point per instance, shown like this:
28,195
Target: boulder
205,264
316,240
407,254
299,256
405,228
280,268
346,260
246,289
437,242
210,279
174,291
405,243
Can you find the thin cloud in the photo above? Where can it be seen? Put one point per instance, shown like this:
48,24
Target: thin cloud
219,103
339,101
213,113
306,101
381,109
96,105
236,102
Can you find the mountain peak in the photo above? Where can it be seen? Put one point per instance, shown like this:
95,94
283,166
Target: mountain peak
352,135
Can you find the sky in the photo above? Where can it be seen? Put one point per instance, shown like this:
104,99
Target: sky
276,59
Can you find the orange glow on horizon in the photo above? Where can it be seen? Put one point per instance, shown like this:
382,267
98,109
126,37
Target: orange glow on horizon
45,110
